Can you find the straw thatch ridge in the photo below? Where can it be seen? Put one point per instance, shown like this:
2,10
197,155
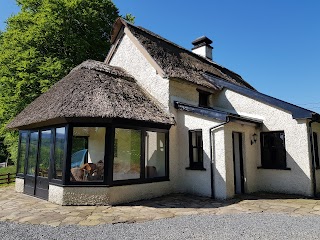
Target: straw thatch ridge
94,90
180,63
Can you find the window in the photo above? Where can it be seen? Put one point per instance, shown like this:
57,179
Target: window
22,152
140,155
32,153
203,98
195,150
44,153
87,154
127,156
59,153
273,152
316,149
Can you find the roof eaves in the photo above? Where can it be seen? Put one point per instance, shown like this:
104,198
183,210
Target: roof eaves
296,111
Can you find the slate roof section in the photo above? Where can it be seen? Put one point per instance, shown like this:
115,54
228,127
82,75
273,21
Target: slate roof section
296,111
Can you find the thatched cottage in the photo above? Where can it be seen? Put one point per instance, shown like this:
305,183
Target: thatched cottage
154,119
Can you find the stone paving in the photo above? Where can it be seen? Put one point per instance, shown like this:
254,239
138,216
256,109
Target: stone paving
17,207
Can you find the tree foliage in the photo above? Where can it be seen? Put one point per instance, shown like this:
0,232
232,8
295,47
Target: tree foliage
42,43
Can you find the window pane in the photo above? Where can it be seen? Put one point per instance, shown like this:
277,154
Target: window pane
44,154
59,152
127,155
194,139
273,150
32,156
88,149
195,155
195,149
155,155
22,153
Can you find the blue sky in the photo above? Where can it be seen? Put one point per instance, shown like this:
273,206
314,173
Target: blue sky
274,45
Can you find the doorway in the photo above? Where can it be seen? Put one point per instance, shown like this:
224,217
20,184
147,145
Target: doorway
238,163
38,161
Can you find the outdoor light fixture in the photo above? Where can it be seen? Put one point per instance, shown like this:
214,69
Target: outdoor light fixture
254,138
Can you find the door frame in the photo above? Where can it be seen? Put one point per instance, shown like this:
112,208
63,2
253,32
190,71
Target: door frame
35,185
242,191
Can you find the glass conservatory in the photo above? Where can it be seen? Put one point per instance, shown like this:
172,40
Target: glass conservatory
91,156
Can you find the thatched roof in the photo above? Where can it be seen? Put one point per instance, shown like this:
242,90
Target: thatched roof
95,90
178,62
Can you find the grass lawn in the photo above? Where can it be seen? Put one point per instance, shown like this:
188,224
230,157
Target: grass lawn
10,169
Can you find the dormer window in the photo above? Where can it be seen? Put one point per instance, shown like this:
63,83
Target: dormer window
203,98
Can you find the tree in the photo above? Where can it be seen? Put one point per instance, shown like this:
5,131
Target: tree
42,43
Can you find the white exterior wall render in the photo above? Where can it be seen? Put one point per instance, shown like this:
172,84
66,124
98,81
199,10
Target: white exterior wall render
107,195
195,181
250,157
19,185
198,181
294,181
129,57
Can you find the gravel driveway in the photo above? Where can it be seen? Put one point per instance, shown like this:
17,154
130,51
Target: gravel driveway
237,226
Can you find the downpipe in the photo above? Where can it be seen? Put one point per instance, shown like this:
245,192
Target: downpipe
211,154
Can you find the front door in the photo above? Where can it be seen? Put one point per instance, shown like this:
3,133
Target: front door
238,163
36,181
29,182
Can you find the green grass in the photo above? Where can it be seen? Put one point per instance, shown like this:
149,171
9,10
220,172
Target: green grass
10,169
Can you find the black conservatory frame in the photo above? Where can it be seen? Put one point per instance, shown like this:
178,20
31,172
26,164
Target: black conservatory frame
109,152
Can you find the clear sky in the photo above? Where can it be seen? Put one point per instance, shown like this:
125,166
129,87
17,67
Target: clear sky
272,44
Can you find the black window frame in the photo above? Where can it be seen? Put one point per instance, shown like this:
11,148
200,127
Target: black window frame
203,98
143,178
109,152
270,163
199,146
22,174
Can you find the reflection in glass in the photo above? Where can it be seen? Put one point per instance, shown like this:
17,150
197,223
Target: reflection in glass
22,151
87,159
44,153
32,156
59,152
127,154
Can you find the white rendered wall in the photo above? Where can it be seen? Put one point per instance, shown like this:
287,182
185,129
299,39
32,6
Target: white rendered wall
195,181
107,195
132,60
250,157
298,179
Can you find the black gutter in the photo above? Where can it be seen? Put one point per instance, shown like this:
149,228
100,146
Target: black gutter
211,155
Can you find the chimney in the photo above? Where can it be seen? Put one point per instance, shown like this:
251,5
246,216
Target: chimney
202,47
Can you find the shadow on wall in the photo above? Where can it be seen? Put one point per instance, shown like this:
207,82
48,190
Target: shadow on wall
291,181
195,181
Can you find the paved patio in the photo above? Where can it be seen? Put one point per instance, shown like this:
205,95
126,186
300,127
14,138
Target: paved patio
17,207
